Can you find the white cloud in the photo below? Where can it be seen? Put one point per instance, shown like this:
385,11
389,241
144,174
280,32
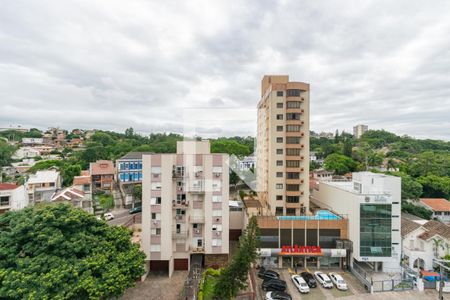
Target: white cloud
114,64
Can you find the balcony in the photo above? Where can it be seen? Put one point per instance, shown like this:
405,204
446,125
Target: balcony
197,232
180,204
196,190
197,249
197,219
179,234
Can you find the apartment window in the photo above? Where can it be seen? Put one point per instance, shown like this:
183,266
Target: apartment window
293,104
217,227
280,117
216,185
279,151
278,210
279,105
279,186
156,185
292,140
292,116
279,197
180,211
279,128
292,199
216,198
279,162
279,93
216,243
155,200
292,128
290,211
293,93
292,175
4,201
52,184
217,213
292,163
217,170
293,151
279,139
292,187
156,216
156,231
375,230
280,174
156,170
155,248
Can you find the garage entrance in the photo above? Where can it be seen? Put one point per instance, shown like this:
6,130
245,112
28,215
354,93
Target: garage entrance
160,266
181,264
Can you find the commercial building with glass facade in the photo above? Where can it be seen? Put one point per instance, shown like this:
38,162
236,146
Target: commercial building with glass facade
372,203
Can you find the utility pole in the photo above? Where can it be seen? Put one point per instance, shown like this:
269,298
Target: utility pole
442,267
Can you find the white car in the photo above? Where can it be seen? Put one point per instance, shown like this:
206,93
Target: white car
338,281
300,283
108,216
323,279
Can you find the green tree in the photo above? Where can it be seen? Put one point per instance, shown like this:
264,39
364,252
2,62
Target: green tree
339,163
347,149
103,138
137,192
416,210
6,151
435,186
60,252
230,147
129,132
69,171
234,277
106,202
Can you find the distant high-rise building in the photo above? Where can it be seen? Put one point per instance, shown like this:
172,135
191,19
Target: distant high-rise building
359,130
283,146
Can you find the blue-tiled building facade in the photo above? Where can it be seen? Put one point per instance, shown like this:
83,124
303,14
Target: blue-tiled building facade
130,170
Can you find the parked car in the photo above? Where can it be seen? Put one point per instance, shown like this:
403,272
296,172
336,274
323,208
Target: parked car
338,281
135,210
323,279
278,296
108,216
300,283
309,278
274,285
268,274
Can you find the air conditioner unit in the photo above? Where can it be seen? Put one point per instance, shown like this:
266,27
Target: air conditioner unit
217,219
217,174
155,222
197,231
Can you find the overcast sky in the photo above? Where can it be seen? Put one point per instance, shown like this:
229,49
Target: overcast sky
148,64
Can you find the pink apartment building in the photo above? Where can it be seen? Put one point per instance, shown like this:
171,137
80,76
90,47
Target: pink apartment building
185,213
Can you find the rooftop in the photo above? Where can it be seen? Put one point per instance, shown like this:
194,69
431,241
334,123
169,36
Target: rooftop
435,228
43,176
135,155
436,204
102,167
69,193
408,226
82,179
8,186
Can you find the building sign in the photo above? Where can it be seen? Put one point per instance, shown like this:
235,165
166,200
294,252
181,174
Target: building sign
265,252
301,250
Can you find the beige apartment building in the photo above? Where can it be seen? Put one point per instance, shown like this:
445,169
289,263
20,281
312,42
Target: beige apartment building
185,212
283,146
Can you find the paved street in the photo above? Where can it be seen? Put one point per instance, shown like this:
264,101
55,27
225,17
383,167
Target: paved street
122,216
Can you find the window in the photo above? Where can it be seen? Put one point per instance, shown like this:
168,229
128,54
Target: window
156,185
279,105
155,248
279,197
156,231
216,185
293,151
292,163
292,140
156,170
280,174
217,213
292,175
292,187
216,198
180,211
293,93
293,104
155,200
4,201
217,169
279,162
292,199
216,243
292,128
279,210
375,230
290,211
279,186
279,151
279,128
156,216
279,139
279,93
217,227
279,117
292,116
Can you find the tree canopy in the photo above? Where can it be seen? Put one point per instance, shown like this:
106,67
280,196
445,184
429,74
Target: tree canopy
339,163
59,252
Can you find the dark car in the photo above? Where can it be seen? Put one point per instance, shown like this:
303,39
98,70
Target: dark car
135,210
274,285
278,296
268,274
309,278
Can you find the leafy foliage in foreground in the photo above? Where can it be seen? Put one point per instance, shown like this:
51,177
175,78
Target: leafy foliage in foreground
59,252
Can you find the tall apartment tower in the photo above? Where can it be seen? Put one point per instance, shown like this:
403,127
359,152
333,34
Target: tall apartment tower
359,130
185,212
283,146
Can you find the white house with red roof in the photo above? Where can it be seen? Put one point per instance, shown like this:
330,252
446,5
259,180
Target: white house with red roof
12,197
74,196
440,208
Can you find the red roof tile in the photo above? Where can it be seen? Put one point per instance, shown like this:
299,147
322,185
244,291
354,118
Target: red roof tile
102,167
7,186
436,204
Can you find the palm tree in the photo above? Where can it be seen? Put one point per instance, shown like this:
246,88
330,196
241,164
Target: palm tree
438,243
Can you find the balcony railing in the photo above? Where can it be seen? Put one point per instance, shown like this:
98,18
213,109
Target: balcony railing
180,203
180,234
197,249
197,219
